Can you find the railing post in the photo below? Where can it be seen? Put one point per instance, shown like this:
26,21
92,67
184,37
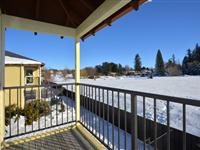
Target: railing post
77,78
2,61
134,121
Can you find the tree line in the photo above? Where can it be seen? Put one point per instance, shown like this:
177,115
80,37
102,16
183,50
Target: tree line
190,64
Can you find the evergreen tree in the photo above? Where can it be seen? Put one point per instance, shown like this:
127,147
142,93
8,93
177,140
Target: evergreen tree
120,69
189,53
173,59
191,62
138,63
160,69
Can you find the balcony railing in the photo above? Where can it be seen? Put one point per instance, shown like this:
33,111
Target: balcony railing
47,108
118,118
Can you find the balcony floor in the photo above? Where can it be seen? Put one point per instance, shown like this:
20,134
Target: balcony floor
71,139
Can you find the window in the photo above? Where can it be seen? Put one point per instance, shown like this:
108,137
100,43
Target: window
29,76
29,72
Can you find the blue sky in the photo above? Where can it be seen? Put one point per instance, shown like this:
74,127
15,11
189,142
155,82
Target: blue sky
170,25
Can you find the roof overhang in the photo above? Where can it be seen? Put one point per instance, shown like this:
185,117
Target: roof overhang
97,16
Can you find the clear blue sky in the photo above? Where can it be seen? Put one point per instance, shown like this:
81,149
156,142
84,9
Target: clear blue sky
170,25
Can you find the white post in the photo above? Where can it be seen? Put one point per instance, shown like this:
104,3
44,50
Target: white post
2,61
77,77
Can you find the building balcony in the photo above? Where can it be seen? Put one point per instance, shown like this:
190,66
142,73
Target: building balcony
110,118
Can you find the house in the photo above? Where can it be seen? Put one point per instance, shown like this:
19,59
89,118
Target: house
21,71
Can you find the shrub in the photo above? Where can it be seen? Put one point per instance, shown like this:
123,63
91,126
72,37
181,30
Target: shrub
32,111
36,109
10,112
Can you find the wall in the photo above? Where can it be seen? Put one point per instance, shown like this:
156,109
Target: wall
14,76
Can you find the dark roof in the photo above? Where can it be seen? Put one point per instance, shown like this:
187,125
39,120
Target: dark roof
11,54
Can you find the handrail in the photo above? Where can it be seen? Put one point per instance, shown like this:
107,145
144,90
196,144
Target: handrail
187,101
34,86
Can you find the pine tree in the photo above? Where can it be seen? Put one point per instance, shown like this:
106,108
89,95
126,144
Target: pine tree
160,69
173,59
138,63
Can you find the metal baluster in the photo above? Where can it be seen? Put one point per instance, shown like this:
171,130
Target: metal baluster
125,121
51,93
134,121
56,106
67,103
45,101
103,115
89,107
10,111
18,111
72,96
85,109
144,125
83,121
168,126
81,101
32,101
118,107
99,115
96,111
184,127
39,100
113,120
92,111
155,126
107,118
62,110
89,110
23,106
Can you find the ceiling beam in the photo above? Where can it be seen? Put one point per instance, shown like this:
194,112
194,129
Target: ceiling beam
100,14
88,6
37,26
66,13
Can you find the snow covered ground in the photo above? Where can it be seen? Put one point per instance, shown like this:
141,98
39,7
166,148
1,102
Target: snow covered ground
54,118
184,86
187,87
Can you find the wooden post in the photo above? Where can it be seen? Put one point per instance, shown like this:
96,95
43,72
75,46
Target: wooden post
77,77
2,61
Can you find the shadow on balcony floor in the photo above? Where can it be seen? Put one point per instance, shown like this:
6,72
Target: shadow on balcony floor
70,139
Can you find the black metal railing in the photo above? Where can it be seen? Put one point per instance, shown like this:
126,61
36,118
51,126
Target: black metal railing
33,108
119,118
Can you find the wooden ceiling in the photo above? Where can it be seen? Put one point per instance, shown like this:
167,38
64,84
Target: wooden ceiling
69,13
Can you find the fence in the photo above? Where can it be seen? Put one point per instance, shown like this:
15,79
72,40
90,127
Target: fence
46,107
118,108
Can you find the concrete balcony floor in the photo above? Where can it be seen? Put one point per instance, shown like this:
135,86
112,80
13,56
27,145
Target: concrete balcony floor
71,139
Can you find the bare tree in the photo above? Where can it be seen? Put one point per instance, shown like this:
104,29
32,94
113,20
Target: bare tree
46,75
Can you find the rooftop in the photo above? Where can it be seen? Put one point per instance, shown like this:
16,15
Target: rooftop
13,58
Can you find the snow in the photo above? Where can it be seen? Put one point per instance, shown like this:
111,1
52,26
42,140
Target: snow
182,86
14,60
185,86
54,118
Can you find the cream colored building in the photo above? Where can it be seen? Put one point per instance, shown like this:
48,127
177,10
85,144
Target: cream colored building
21,71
